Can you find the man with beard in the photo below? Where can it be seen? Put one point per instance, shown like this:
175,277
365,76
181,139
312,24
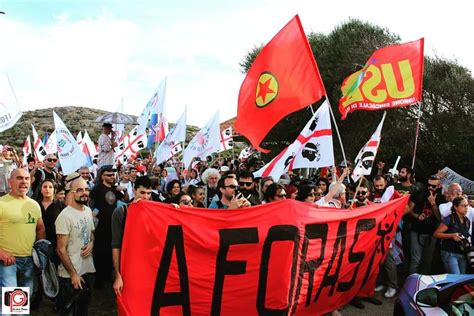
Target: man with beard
74,229
405,184
103,198
426,218
210,177
247,187
362,196
229,198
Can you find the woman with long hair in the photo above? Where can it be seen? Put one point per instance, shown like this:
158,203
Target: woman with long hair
454,233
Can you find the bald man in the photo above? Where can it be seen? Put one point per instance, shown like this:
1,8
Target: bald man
20,226
74,229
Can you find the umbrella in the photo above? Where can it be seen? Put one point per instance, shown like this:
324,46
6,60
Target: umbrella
116,118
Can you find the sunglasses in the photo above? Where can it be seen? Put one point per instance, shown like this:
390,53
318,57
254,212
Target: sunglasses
51,160
109,175
186,202
362,193
247,184
81,190
281,195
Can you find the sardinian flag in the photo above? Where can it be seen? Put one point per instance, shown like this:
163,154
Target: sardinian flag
132,144
312,148
205,142
366,157
26,150
38,145
246,153
171,145
51,145
226,139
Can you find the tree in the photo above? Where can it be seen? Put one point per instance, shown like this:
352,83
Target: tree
446,134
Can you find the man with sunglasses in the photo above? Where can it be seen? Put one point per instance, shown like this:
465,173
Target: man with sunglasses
247,187
103,199
75,235
362,196
230,197
41,173
426,218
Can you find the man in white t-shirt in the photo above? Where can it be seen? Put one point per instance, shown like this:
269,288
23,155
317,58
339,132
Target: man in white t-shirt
74,229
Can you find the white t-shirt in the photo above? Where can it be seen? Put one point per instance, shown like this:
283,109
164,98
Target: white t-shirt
78,225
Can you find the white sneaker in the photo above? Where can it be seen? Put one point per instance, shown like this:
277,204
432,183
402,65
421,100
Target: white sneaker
380,288
390,293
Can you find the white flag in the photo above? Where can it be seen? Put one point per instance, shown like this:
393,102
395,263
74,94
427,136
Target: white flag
51,144
131,145
79,139
87,141
366,157
171,145
205,142
155,105
227,141
38,145
26,151
247,152
70,154
312,148
10,111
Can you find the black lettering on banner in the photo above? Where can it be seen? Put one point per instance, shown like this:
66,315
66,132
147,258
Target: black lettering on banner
365,224
379,246
228,237
312,231
174,240
276,233
331,280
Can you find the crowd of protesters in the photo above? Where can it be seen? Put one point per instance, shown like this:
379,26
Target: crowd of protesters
83,216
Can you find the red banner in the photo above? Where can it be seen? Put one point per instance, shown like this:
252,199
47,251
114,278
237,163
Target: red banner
280,258
391,78
283,78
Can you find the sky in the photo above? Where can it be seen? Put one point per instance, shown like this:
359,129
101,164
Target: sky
98,53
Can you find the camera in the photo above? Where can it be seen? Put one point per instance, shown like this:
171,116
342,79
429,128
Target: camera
8,296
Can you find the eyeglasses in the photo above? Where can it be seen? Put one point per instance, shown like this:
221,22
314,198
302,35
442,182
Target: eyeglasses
362,193
432,185
233,187
81,190
186,202
247,184
51,160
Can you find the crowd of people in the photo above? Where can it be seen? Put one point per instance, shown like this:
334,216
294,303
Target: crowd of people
83,216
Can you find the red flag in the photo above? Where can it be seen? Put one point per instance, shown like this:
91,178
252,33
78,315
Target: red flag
391,78
284,78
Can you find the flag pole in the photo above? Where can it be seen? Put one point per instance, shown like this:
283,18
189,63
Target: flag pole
13,91
337,131
416,136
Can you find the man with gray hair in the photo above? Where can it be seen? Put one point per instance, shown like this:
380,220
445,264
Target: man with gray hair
210,177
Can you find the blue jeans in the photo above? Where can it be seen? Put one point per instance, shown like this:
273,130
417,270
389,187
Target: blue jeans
422,248
19,274
454,263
